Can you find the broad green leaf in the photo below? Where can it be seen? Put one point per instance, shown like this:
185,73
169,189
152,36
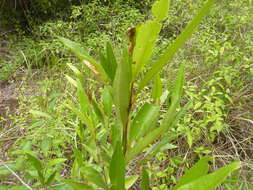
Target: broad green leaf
36,113
130,180
144,180
87,60
50,178
146,36
107,100
78,186
198,170
121,88
37,165
178,43
157,89
117,169
143,121
160,9
93,176
211,181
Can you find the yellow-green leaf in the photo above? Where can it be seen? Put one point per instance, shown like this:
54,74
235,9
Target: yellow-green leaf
160,9
147,34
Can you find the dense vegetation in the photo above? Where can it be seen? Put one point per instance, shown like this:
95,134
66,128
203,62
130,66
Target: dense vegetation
89,124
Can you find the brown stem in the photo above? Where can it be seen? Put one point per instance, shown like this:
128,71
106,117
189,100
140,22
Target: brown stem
125,127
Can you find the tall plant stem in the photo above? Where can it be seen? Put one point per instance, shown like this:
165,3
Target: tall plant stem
126,125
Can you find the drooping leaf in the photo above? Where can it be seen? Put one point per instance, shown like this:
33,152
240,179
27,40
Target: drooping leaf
160,9
211,181
178,43
93,176
84,57
130,180
117,169
78,74
121,88
143,121
71,81
144,180
146,36
198,170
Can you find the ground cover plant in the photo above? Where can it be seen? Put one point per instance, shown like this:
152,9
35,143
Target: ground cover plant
76,150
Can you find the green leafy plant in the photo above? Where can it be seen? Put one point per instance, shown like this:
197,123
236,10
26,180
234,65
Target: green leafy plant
114,127
44,176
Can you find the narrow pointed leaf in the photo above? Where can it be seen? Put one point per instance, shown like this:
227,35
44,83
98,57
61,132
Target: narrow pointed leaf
143,121
160,9
158,146
157,89
111,60
71,81
178,43
147,34
87,60
198,170
129,182
117,169
211,181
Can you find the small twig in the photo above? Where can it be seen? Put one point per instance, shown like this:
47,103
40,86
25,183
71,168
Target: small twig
16,175
244,119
